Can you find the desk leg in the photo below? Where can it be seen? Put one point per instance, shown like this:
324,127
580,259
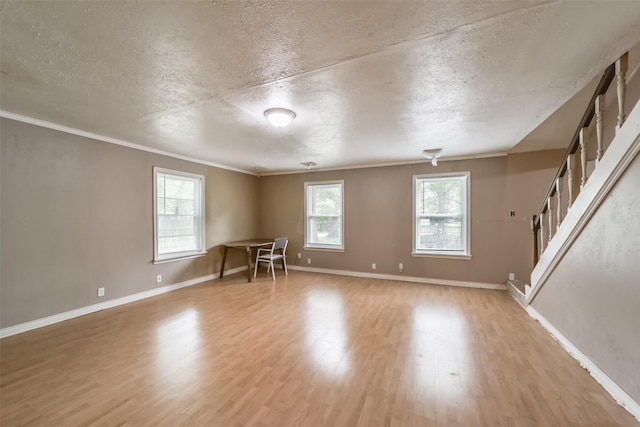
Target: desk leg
249,263
224,259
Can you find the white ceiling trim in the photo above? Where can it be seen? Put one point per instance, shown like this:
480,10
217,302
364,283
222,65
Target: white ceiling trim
121,142
381,165
110,140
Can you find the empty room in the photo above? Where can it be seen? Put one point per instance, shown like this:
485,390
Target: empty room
319,213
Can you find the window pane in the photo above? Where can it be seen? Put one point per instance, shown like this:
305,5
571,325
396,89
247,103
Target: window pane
179,188
441,197
175,225
440,220
440,233
176,244
178,215
324,212
326,200
160,185
325,230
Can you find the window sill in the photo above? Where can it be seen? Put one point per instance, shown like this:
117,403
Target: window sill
440,255
323,249
179,258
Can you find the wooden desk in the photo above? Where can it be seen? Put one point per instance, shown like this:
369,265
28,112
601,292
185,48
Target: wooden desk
247,245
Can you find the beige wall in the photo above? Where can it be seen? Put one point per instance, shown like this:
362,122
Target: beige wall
378,217
77,215
529,176
592,296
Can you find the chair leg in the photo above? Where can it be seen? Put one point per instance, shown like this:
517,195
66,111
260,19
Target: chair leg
284,263
255,270
273,269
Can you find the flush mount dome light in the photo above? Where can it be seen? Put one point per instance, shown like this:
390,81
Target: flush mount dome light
279,117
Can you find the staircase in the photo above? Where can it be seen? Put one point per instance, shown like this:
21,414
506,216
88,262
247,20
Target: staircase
602,147
584,286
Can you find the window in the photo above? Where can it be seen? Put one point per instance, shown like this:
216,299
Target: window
179,214
441,214
324,215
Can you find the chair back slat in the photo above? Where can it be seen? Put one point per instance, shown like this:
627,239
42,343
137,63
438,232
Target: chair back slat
280,243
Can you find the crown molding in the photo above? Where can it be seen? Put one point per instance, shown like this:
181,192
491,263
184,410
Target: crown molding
382,165
116,141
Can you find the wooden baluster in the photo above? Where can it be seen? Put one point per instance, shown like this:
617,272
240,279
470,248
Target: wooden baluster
599,124
559,201
622,65
571,166
541,233
583,159
550,216
536,251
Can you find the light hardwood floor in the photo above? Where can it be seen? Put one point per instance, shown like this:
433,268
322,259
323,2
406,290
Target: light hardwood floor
307,350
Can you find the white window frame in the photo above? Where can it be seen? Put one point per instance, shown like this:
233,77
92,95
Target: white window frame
200,205
317,246
465,253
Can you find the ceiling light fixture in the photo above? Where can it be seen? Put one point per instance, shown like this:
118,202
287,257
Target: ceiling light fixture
279,117
309,165
433,155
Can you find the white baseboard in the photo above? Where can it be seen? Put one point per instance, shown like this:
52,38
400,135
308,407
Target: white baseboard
60,317
612,388
515,293
412,279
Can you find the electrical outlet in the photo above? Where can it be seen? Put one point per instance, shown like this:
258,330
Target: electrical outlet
512,276
400,267
100,292
308,260
299,255
373,266
512,213
159,278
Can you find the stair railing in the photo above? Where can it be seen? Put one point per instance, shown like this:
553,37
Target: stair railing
570,178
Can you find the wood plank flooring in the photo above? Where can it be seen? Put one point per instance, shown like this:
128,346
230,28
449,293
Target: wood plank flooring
305,350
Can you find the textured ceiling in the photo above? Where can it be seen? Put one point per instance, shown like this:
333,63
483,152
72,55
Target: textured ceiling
372,82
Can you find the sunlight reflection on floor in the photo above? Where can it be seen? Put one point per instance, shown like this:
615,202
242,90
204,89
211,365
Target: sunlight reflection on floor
440,353
178,347
326,332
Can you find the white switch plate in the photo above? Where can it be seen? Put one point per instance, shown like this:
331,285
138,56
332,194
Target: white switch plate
299,255
100,292
400,267
308,260
373,266
512,276
159,278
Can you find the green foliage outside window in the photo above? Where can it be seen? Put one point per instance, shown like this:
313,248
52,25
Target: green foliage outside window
440,209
